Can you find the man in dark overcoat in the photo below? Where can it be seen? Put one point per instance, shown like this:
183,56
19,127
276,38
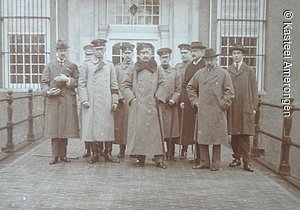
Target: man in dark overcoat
121,114
241,113
211,91
143,88
189,112
59,81
170,109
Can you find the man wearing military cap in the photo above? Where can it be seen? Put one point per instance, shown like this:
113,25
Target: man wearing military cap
210,91
142,88
98,93
169,110
88,52
121,114
59,81
244,105
189,112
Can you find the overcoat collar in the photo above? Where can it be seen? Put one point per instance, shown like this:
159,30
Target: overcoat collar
236,73
59,67
209,75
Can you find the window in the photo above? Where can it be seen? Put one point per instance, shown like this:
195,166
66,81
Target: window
25,39
123,12
243,22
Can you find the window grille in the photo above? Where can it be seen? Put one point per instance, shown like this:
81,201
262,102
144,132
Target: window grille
25,42
243,22
148,12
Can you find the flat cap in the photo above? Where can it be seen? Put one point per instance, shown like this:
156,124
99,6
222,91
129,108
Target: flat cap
210,52
197,45
143,46
98,42
60,44
127,46
184,47
164,51
237,47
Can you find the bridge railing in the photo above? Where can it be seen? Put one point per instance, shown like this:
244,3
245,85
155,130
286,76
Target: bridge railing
28,121
286,141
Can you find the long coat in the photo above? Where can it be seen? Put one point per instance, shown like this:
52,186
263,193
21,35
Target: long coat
170,113
61,120
121,114
189,112
214,97
144,136
98,85
240,114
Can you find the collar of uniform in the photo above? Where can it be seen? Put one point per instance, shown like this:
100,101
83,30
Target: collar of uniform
95,60
195,62
125,65
169,69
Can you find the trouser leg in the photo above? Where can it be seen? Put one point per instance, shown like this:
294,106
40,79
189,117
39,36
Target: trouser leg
55,147
107,151
95,146
235,144
101,148
63,148
159,161
88,147
184,152
245,147
122,150
216,156
204,156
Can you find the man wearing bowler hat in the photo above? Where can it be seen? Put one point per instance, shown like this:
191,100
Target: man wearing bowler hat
241,113
189,112
169,110
142,88
121,114
211,92
59,81
98,93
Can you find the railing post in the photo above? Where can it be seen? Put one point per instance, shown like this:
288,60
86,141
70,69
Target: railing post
284,167
10,143
30,135
255,150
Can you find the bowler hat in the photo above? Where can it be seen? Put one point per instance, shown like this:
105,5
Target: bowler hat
127,46
98,42
164,51
184,47
197,45
143,46
60,44
237,47
210,52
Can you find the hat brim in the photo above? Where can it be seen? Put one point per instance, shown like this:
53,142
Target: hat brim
211,56
198,47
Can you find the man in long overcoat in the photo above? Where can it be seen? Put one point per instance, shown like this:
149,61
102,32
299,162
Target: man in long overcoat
59,81
98,93
121,114
211,91
142,88
189,112
241,113
170,109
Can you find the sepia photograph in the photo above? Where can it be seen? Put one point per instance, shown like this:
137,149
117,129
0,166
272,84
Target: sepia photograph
149,104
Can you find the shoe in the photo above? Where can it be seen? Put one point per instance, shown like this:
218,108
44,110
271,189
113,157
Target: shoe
183,156
200,167
247,167
94,159
214,169
88,154
53,161
161,165
235,162
140,163
110,158
65,159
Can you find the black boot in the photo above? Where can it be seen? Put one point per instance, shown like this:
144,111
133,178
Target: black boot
122,151
53,161
108,149
140,161
101,149
95,157
88,149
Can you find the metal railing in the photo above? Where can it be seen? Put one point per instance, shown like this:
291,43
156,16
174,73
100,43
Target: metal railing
286,140
10,146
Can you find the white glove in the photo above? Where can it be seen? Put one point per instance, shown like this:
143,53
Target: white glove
182,105
53,91
85,104
171,102
114,107
61,78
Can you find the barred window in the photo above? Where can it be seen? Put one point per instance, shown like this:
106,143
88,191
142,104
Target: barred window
25,42
243,22
123,12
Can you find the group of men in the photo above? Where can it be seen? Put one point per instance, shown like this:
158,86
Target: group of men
144,105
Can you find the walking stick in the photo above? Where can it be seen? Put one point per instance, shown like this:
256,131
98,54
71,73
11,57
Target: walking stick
196,137
171,131
160,128
181,130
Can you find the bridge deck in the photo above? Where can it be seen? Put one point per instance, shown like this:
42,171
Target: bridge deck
29,182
